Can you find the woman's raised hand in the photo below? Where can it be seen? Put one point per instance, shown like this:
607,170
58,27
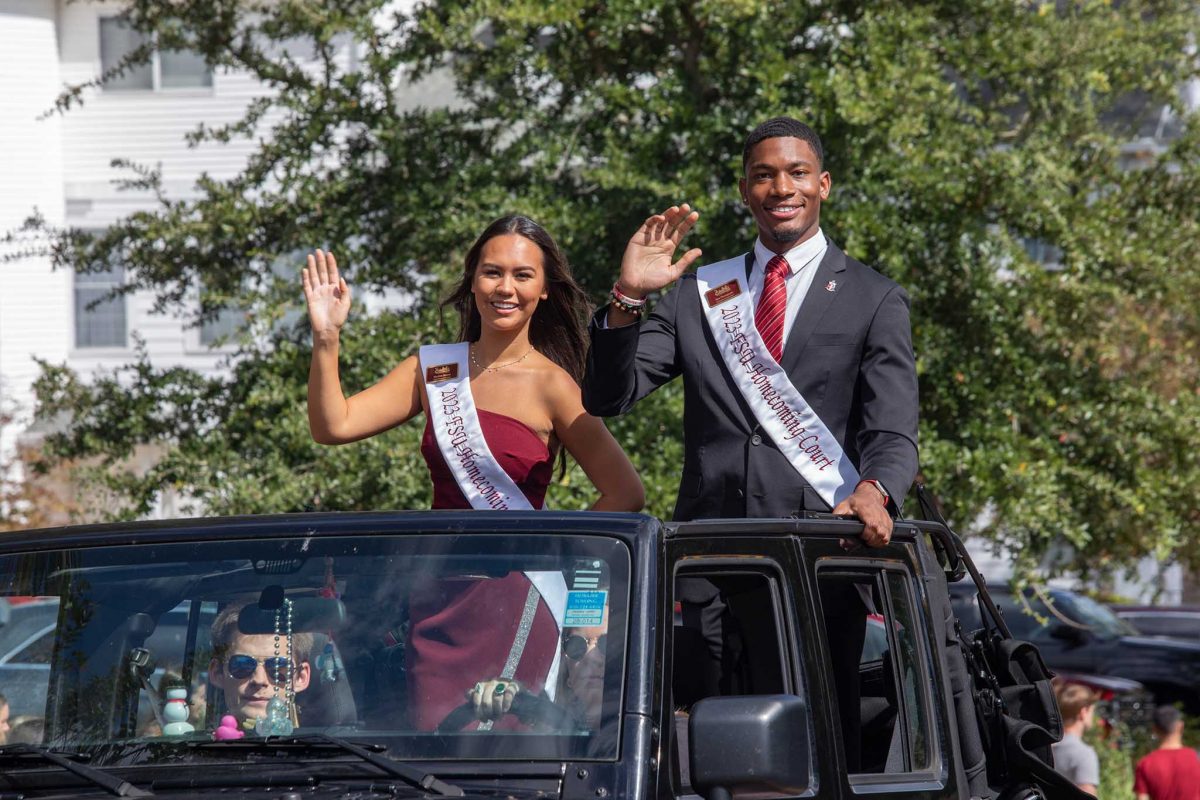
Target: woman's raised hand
647,265
327,293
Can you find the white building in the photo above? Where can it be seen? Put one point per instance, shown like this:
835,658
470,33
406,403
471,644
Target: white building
61,165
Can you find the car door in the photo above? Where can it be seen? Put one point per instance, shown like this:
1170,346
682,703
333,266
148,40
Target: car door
873,650
736,629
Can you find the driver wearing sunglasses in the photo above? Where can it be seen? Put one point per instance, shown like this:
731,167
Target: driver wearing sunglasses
246,668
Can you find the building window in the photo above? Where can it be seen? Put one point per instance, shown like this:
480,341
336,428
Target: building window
221,329
99,319
167,69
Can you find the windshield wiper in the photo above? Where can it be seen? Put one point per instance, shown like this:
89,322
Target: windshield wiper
63,759
411,775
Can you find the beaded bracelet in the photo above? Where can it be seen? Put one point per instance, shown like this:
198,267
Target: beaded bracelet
627,304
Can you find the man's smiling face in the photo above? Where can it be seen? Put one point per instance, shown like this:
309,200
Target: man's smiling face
784,186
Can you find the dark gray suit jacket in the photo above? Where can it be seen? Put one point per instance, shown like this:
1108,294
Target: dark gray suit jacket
849,354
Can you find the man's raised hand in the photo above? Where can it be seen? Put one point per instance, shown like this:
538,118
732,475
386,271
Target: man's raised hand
326,292
647,266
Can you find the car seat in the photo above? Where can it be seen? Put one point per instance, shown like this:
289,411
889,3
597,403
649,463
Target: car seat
326,703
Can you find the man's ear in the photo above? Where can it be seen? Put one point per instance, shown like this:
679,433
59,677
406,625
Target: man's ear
742,191
826,185
303,674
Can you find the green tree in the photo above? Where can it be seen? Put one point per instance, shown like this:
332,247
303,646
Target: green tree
1062,402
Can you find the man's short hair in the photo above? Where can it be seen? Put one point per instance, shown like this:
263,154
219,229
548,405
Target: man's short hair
777,127
1073,699
225,630
1165,718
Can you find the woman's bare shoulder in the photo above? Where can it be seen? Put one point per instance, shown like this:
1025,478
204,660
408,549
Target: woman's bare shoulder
558,386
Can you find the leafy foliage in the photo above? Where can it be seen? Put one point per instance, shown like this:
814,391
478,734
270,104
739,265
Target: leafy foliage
1056,403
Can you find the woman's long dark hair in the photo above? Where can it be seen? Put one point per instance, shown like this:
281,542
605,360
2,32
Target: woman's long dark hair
558,329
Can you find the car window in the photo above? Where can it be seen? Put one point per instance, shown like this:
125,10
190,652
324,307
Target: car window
1098,617
1026,617
398,639
1019,616
38,650
879,663
728,640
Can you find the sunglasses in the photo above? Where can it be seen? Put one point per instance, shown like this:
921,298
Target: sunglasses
575,646
242,666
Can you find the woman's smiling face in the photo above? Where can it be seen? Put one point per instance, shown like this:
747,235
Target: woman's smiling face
509,281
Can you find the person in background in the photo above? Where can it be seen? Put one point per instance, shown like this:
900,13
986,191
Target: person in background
1172,771
4,710
1072,757
27,729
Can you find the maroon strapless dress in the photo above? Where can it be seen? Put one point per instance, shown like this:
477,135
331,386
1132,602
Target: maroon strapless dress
462,629
516,446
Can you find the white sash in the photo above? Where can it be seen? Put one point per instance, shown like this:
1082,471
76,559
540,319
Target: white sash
791,423
459,437
458,434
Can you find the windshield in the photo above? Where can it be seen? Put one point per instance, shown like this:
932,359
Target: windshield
448,646
1098,617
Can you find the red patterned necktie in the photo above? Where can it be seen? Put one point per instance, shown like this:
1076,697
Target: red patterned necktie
772,306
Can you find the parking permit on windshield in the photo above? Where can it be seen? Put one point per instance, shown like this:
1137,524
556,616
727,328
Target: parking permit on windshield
585,609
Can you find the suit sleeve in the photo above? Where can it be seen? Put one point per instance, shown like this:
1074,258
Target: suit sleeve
625,364
887,439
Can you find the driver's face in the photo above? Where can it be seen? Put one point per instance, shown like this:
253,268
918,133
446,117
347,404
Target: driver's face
247,698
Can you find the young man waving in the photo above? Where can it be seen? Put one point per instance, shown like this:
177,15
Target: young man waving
799,378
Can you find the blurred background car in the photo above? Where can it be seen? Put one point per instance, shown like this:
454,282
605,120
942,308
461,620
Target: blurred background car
26,640
1077,634
27,634
1181,622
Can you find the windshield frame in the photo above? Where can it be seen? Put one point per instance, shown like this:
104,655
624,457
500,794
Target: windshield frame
277,529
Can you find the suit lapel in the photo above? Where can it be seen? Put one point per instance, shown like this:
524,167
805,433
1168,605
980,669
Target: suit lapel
816,302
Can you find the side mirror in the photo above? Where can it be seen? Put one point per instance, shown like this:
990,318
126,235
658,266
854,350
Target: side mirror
754,744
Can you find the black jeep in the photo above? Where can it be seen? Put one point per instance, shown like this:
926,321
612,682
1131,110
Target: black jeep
773,658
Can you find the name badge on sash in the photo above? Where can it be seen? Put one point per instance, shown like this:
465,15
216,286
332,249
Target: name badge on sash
459,435
809,446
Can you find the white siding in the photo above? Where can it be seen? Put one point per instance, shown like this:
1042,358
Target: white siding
147,127
33,319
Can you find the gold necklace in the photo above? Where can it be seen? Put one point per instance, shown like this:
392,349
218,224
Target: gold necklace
475,361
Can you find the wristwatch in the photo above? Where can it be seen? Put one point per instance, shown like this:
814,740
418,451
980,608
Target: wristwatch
879,488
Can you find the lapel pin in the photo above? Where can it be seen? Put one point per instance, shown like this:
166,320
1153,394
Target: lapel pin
831,286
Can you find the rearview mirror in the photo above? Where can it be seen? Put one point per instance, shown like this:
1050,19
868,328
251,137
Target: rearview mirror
749,745
308,614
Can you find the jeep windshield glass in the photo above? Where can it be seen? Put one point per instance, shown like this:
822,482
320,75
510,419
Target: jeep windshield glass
450,646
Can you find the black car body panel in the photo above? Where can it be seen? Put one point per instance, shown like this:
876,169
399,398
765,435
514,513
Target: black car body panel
777,581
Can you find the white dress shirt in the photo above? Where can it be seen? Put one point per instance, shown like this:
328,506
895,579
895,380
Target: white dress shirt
802,262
